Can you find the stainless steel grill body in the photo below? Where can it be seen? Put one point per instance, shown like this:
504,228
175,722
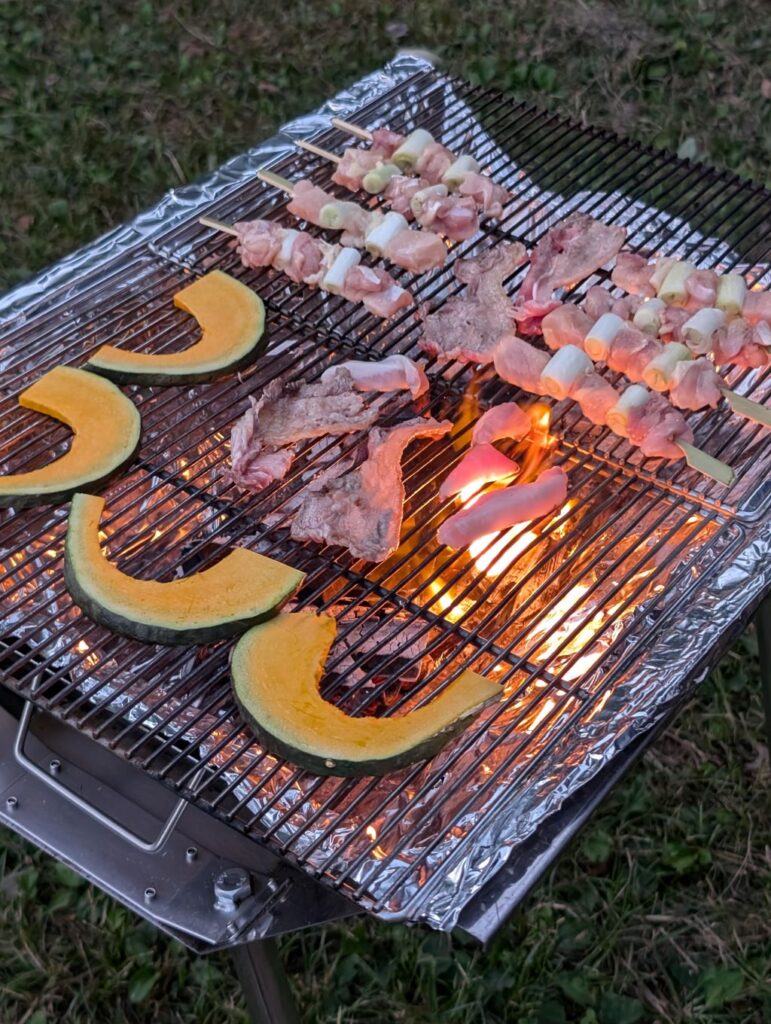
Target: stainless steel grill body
598,625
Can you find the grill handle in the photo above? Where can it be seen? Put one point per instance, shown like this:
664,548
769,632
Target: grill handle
148,846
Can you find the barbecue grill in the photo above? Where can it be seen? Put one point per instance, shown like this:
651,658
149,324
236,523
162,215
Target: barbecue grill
131,764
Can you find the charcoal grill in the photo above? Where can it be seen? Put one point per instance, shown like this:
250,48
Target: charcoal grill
131,764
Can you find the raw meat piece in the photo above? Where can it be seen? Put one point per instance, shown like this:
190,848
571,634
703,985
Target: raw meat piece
482,464
416,251
632,273
287,413
520,363
695,384
656,426
469,326
567,324
394,373
363,510
569,252
489,197
504,420
596,397
501,509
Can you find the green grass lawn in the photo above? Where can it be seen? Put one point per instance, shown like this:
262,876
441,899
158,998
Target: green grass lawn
661,911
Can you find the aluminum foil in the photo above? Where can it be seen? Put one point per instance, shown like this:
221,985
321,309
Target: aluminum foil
427,869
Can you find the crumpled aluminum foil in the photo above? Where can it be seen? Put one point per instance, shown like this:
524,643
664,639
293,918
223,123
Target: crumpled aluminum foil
436,870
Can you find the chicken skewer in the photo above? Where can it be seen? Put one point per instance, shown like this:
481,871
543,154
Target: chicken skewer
417,155
665,366
307,260
388,236
453,217
646,419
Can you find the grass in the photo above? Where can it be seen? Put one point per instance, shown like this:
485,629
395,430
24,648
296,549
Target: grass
661,911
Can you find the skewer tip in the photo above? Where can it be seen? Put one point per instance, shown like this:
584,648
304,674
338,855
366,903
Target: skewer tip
747,408
706,464
218,225
311,147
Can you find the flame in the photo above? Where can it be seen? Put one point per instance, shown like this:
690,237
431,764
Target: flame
542,441
509,545
449,606
82,647
378,853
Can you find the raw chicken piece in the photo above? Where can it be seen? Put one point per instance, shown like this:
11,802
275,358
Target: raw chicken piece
597,301
695,384
363,509
385,142
308,200
701,286
376,290
627,306
399,192
501,509
757,306
631,350
656,426
489,198
306,261
567,324
354,165
482,464
520,363
468,326
569,252
394,373
504,420
433,162
632,273
596,397
728,341
416,251
259,242
672,319
451,217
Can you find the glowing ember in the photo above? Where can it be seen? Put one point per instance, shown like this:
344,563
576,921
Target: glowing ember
82,647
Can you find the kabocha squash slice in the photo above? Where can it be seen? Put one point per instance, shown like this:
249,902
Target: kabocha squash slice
276,668
106,426
232,321
222,601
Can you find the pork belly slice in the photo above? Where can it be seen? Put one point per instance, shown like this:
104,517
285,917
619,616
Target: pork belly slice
569,252
504,420
469,326
362,510
287,413
655,428
501,509
482,464
695,384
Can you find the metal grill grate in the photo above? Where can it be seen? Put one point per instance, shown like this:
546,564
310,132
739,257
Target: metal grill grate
576,607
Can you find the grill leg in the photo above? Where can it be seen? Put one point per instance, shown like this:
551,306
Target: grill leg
763,627
265,983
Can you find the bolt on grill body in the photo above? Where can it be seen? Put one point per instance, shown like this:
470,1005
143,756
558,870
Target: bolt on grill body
562,612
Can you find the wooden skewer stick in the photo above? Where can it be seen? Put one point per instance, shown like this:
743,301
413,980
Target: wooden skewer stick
746,407
323,153
218,225
706,464
276,181
352,129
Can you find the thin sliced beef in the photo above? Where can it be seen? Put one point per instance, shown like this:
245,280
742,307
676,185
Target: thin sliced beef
469,326
362,511
287,413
